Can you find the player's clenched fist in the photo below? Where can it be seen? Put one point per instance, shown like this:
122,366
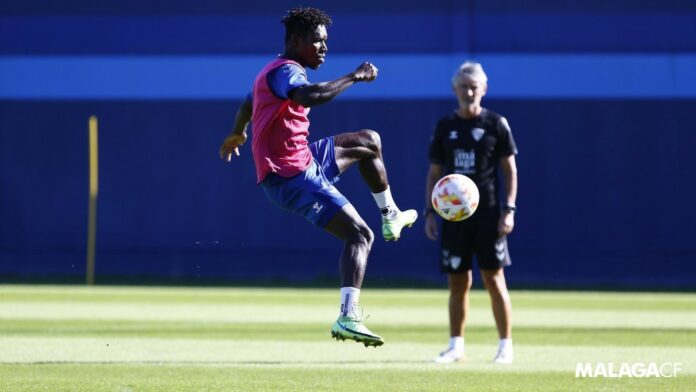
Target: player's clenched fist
366,72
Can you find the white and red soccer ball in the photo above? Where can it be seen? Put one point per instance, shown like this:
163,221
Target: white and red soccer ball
455,197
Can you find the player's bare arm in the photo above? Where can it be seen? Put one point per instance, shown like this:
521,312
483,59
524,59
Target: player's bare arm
508,168
238,135
434,174
318,93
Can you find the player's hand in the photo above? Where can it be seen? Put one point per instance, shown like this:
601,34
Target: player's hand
231,145
431,226
366,72
506,223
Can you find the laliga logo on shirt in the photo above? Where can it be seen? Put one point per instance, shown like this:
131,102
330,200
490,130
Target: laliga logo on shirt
637,370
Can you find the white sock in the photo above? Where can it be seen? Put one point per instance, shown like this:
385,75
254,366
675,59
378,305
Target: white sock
456,343
349,300
505,344
385,202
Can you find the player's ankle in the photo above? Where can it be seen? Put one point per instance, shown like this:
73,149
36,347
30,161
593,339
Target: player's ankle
390,213
505,344
456,343
349,301
385,203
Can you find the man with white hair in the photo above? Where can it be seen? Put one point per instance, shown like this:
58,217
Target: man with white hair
475,142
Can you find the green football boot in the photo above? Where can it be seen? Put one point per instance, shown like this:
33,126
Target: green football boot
351,327
391,227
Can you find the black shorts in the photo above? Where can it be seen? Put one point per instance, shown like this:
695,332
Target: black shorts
478,236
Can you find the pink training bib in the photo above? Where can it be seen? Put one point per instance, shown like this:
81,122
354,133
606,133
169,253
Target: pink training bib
280,128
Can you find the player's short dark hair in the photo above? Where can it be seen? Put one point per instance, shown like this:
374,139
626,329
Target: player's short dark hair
301,21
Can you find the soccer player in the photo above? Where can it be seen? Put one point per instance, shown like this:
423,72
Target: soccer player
475,142
299,177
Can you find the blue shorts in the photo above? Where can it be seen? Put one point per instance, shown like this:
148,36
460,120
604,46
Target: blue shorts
310,193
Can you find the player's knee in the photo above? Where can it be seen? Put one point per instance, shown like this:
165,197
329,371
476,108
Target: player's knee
368,236
362,236
495,283
459,292
459,284
371,139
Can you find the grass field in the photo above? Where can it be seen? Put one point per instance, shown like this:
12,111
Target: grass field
70,338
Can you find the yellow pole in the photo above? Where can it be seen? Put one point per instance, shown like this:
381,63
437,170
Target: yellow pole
93,192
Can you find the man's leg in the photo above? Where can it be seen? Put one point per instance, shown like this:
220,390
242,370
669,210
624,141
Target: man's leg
349,227
459,287
494,280
365,148
357,237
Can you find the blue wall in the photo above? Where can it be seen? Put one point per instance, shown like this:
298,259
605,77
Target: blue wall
602,117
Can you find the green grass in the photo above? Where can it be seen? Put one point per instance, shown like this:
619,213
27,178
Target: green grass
72,338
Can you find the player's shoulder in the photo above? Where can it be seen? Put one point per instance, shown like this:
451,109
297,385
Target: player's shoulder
294,67
284,66
286,72
494,120
288,69
490,116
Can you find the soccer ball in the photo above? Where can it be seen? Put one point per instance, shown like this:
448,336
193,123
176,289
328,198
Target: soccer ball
455,197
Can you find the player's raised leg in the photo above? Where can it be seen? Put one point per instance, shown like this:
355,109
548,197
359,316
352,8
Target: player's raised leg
365,148
357,237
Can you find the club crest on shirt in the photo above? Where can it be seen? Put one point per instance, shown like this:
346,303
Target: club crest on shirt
454,134
477,133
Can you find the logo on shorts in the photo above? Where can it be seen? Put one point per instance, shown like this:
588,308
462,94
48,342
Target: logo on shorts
450,260
317,207
455,261
500,250
454,134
